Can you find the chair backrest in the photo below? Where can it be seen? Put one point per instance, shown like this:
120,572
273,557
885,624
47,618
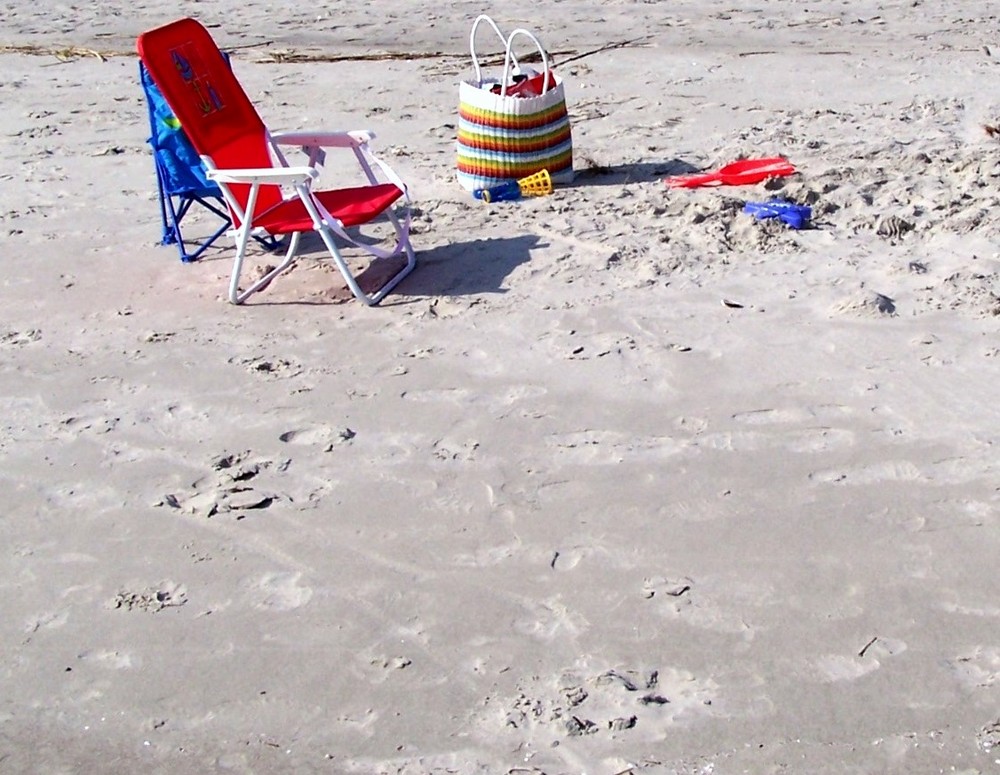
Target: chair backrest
196,80
180,169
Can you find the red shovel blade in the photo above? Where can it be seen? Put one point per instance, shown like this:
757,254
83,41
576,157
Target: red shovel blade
739,173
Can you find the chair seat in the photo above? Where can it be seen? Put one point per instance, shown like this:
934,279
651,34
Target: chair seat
351,206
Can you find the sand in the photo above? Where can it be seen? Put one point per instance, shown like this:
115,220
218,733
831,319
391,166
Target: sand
619,480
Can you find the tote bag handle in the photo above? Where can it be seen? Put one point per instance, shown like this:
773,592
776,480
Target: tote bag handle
511,60
472,44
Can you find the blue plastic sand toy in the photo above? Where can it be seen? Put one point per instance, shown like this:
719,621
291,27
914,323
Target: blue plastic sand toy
792,214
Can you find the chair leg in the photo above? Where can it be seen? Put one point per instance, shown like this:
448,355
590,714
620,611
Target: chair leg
171,233
403,246
327,234
403,235
188,257
174,208
235,296
165,239
267,242
196,254
345,271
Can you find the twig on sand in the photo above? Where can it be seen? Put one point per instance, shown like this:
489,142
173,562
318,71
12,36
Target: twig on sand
258,44
867,646
291,55
769,52
288,55
285,56
63,54
609,47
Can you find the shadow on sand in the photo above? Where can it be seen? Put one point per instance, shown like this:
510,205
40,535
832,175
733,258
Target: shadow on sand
467,268
592,174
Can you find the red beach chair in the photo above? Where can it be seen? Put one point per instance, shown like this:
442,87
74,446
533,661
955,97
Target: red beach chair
264,193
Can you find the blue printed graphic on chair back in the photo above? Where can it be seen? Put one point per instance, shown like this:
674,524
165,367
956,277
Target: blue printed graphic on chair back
181,169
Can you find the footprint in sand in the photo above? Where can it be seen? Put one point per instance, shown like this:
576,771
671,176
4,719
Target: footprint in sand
738,441
979,668
323,435
456,450
819,439
307,436
274,368
20,338
771,416
700,507
447,395
792,415
46,621
676,598
549,620
865,304
74,426
383,667
883,471
113,660
596,447
961,469
609,703
832,668
988,737
569,557
279,591
522,393
229,488
488,556
167,594
991,611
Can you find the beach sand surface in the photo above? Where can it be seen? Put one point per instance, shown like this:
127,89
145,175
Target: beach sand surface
618,480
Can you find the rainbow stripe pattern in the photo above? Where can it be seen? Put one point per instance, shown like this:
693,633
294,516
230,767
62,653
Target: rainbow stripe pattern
502,138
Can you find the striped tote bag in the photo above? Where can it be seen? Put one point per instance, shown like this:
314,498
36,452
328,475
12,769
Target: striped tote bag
514,127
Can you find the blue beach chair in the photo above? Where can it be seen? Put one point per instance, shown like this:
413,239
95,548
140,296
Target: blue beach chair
180,176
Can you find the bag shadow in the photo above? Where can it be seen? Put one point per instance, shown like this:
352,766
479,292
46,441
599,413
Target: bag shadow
590,173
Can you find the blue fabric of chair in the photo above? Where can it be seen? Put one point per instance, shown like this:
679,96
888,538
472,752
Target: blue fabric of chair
180,176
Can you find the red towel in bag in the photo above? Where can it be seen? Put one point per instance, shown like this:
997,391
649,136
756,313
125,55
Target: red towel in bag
531,86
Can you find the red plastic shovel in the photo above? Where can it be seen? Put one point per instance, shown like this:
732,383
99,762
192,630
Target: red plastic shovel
739,173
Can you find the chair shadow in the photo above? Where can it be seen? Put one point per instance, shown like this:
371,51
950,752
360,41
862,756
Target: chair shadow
456,269
466,268
593,174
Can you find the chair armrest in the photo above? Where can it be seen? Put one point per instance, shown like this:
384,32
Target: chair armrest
325,139
272,175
